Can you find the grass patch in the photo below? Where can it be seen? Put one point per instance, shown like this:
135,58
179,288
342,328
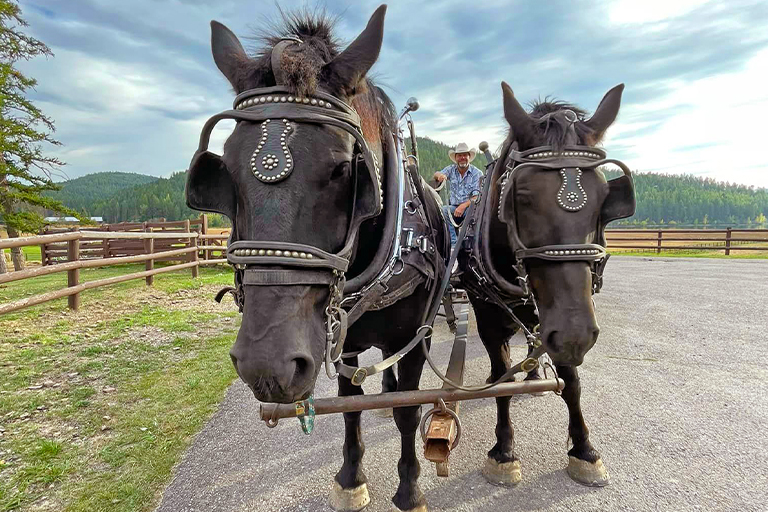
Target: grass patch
100,404
168,283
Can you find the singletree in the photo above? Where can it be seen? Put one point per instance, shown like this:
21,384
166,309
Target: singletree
25,171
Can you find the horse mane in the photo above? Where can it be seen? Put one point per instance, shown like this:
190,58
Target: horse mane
554,128
303,70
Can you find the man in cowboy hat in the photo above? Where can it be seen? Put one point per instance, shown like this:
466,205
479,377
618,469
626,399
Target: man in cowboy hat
465,184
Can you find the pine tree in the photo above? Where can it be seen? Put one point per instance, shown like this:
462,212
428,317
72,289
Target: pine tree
25,171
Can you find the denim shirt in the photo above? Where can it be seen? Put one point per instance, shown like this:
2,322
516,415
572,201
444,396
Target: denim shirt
462,188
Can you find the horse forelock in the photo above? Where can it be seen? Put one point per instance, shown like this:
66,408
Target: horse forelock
553,129
302,66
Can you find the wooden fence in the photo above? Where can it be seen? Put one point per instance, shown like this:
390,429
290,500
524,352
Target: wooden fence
658,240
109,247
148,247
189,243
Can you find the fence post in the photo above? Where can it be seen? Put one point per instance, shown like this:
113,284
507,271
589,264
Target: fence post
192,242
728,242
204,231
73,276
105,243
149,248
196,254
658,243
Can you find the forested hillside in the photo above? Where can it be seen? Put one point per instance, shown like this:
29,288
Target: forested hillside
661,199
674,199
162,198
81,193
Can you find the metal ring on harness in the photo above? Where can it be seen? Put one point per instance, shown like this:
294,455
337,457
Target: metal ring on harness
429,328
411,208
394,267
442,409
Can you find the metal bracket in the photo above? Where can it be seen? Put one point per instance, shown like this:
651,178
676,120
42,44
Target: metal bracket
407,245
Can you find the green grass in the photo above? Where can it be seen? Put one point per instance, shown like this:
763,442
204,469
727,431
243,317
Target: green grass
32,253
99,405
168,282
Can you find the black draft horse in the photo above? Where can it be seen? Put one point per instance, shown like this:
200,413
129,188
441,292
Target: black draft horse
309,191
562,290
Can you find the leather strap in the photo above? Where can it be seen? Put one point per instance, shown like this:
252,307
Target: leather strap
270,277
371,296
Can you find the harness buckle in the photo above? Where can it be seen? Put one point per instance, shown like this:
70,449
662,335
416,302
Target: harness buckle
359,376
529,365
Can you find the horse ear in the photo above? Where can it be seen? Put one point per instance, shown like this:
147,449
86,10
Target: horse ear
227,51
518,119
209,185
606,112
350,66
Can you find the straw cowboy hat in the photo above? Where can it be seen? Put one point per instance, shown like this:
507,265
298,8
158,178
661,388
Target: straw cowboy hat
461,148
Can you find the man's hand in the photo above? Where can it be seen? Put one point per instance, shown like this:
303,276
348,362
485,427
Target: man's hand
460,210
440,177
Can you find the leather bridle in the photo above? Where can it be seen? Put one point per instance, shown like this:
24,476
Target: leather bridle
570,162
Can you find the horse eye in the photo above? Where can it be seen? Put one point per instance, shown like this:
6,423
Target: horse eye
524,199
341,170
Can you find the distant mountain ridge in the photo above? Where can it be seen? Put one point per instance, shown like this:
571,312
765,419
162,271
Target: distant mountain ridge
661,199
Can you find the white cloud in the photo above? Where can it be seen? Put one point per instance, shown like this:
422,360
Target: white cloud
719,131
649,11
125,94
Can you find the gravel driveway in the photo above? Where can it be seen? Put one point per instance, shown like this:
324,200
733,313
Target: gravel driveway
674,394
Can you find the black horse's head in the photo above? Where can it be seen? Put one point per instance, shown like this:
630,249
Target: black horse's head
560,207
292,176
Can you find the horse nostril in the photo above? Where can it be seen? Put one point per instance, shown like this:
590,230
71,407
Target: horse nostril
304,367
553,342
236,365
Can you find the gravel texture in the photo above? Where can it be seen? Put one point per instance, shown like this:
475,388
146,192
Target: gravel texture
674,393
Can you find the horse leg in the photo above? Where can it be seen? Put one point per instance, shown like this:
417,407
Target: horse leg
350,491
502,467
388,384
584,462
409,496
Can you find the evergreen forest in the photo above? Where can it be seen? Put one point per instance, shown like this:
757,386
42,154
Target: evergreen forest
662,200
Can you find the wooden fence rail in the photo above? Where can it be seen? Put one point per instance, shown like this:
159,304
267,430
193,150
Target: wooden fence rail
53,251
188,254
726,240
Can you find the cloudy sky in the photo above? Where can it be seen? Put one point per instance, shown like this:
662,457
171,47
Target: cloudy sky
132,82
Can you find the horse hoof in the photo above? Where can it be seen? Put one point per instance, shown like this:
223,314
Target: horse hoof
420,508
502,473
383,413
588,473
349,499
